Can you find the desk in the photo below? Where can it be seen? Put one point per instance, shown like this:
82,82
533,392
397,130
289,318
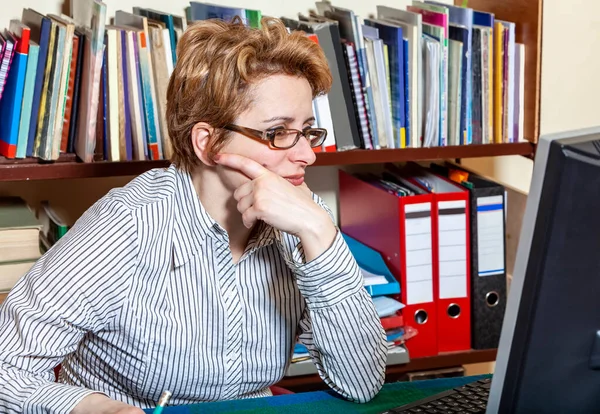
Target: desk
392,395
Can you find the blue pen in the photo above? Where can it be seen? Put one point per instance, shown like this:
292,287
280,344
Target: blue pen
162,402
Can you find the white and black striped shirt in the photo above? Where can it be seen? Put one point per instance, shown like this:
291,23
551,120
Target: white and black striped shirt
142,296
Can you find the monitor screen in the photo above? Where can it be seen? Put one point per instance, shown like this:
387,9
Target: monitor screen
549,353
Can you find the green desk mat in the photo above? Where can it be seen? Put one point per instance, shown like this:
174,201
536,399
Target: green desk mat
391,395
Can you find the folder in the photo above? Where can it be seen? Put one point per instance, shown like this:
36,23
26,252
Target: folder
488,259
400,228
451,252
379,281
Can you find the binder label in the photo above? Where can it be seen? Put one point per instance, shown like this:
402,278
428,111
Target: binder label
452,252
490,235
419,261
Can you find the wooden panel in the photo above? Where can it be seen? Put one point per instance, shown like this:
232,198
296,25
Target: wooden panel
2,297
398,372
527,14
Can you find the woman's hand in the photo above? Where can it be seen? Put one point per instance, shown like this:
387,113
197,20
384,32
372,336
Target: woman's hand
277,202
101,404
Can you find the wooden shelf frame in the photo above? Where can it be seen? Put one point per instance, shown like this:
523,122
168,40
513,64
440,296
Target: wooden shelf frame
68,167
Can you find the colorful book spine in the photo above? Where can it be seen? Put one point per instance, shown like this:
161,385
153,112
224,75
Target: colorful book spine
10,104
140,95
28,92
44,42
44,113
5,63
406,64
153,146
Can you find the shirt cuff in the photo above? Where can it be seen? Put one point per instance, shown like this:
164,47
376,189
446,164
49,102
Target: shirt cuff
55,397
329,278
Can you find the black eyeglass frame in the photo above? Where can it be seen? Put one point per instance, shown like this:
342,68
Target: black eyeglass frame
268,136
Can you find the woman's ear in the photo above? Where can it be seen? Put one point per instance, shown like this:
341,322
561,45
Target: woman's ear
201,137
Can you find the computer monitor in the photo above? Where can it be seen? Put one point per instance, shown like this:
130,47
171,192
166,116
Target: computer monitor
549,353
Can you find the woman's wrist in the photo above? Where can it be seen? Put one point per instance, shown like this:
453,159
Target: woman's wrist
317,236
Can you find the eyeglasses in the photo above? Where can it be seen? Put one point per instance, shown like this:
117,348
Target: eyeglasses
282,138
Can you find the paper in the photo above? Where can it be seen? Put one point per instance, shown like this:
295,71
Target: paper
452,239
419,265
490,235
386,306
372,278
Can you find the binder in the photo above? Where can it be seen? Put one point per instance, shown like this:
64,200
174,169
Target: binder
451,252
488,260
400,228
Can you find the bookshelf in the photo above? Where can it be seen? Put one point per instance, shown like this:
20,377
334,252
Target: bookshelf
68,167
396,372
527,14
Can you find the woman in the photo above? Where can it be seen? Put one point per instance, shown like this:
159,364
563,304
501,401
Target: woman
199,278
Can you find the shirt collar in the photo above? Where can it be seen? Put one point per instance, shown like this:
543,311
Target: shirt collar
193,224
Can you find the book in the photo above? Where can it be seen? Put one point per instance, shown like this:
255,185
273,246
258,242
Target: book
28,94
19,231
10,104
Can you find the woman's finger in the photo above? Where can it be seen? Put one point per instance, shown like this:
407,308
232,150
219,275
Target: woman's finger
245,203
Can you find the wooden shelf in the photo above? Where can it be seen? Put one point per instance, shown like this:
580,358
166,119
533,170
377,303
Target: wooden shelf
396,372
422,154
68,167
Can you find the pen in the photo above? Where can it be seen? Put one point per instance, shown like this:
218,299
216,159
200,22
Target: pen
162,402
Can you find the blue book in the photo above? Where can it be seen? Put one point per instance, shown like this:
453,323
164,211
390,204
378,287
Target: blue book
407,93
204,11
28,89
10,105
391,36
40,33
483,19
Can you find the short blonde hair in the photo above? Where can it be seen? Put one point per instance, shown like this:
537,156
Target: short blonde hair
218,61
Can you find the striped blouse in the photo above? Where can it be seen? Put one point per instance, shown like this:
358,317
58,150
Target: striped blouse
142,296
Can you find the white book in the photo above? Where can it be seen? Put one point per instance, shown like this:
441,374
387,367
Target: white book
112,68
323,114
384,90
520,92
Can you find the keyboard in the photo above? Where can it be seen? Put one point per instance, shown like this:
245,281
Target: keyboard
470,398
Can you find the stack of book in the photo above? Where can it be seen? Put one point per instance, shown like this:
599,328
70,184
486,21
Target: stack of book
19,241
431,75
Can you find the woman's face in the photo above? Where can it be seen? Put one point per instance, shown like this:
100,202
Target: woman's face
280,101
